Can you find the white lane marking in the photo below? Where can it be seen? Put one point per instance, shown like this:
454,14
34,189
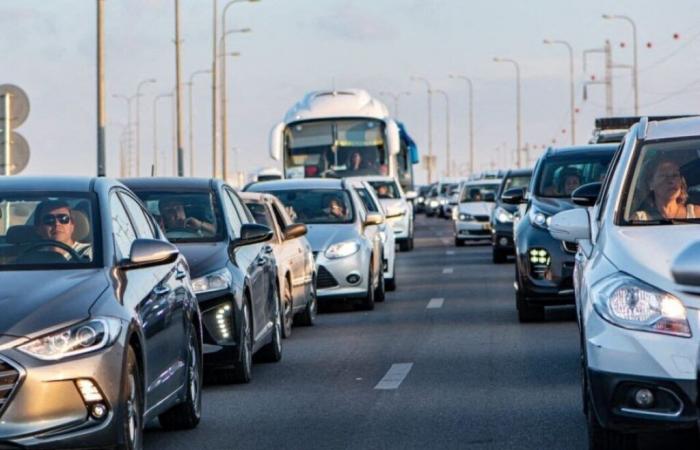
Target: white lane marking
446,241
448,270
450,252
435,303
394,377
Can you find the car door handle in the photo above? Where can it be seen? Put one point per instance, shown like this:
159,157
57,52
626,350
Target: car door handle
180,274
262,261
161,290
268,249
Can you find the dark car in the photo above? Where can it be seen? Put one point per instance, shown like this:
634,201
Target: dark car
503,214
421,199
233,269
543,265
100,330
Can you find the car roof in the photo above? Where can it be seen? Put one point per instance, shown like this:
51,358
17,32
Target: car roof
169,183
518,173
673,128
579,149
297,183
494,181
371,178
51,183
255,196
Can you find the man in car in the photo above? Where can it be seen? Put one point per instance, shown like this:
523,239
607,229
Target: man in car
172,213
383,191
55,221
335,208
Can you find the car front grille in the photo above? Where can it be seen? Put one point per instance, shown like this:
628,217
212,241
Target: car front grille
324,279
482,218
9,379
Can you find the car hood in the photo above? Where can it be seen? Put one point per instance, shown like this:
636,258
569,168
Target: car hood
32,301
204,257
551,206
321,236
392,203
647,252
476,208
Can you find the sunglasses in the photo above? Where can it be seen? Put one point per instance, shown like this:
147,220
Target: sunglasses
52,219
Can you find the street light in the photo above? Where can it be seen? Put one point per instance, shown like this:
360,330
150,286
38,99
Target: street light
395,98
190,85
155,129
470,86
448,163
101,114
518,124
571,83
635,66
138,122
129,122
430,125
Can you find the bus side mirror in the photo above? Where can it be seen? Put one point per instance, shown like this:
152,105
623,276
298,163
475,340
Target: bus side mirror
277,141
393,138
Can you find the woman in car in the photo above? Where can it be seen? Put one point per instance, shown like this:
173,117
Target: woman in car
668,194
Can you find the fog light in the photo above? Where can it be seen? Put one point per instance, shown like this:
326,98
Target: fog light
503,242
644,398
89,391
353,278
539,256
222,322
98,411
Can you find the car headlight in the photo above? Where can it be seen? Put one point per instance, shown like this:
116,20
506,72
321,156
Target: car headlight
443,201
420,199
539,219
466,217
503,216
215,281
433,203
85,337
630,303
342,250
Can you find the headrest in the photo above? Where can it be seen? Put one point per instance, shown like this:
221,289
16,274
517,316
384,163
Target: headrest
82,231
21,234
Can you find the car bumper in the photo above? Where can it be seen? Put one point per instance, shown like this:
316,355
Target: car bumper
502,236
334,276
220,344
400,227
472,230
46,409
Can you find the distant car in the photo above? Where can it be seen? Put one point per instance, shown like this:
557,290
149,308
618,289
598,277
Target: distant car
373,205
348,256
502,216
471,216
101,330
432,202
637,283
544,266
398,209
233,268
296,270
420,202
446,187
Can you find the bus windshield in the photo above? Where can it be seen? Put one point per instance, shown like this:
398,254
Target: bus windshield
335,148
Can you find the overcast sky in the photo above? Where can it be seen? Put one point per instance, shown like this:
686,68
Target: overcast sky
48,49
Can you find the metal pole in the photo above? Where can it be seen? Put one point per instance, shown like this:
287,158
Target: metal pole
191,84
7,134
101,116
213,91
430,126
518,125
178,93
635,67
129,124
448,162
155,130
470,87
138,123
571,85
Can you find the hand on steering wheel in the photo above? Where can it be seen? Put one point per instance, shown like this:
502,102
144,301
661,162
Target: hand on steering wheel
51,243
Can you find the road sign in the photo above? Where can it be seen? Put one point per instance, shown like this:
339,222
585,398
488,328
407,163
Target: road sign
19,107
19,154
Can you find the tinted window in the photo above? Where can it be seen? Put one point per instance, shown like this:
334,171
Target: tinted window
386,189
122,229
243,212
141,222
521,181
232,215
478,192
318,205
260,215
367,200
559,176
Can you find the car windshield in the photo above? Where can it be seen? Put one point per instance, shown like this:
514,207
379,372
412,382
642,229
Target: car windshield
478,193
559,176
44,231
521,181
259,213
447,188
664,185
385,189
318,206
185,217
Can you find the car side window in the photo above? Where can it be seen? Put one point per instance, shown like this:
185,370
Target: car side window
603,196
232,214
279,216
367,200
243,212
143,225
123,231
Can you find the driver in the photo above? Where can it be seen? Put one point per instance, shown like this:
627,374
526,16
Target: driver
55,222
335,208
172,212
383,191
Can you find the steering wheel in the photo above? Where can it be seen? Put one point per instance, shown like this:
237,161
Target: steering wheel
50,243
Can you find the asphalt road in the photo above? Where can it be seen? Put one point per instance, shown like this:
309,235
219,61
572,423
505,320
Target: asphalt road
462,373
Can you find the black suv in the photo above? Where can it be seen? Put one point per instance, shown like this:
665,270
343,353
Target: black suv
503,214
544,266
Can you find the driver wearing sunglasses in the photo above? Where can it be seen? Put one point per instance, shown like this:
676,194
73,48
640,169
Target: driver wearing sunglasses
55,222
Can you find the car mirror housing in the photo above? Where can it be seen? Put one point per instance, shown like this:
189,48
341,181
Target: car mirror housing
294,231
514,196
252,233
686,266
571,225
587,194
150,252
411,195
374,219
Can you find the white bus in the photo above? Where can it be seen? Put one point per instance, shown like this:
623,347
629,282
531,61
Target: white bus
343,133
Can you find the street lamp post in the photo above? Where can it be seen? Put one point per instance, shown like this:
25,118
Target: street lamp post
138,123
101,115
448,163
129,124
430,125
395,98
155,129
518,125
470,86
178,93
191,118
571,84
635,66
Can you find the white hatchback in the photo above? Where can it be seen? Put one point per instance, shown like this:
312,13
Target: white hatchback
637,284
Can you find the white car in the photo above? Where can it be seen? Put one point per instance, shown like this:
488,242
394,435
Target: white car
637,284
472,216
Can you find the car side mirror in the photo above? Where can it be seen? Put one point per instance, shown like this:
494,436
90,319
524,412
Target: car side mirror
411,195
294,231
587,194
374,219
252,233
150,252
514,196
686,266
571,225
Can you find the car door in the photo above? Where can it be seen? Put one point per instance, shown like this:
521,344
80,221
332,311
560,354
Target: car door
299,256
148,292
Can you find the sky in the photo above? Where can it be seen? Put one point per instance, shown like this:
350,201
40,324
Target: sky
48,49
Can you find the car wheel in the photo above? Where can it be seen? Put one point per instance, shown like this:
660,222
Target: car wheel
390,283
243,370
308,317
600,438
498,256
459,242
272,352
132,404
380,293
404,245
526,313
411,244
368,303
187,414
287,310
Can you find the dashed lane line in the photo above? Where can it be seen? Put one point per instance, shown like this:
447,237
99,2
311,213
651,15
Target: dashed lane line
448,270
435,303
394,377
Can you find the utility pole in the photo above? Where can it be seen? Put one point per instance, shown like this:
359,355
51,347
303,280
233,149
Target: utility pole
518,109
572,94
430,126
214,63
448,161
178,93
101,116
190,86
635,62
138,123
155,130
607,51
470,87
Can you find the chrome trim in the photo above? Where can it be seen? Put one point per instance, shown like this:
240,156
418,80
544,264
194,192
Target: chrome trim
643,412
566,291
21,375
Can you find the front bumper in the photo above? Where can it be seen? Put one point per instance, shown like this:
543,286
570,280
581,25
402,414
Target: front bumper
221,339
502,236
472,230
400,226
334,276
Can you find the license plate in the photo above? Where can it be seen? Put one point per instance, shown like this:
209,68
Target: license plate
486,226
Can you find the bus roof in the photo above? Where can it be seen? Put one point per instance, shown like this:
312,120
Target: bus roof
337,103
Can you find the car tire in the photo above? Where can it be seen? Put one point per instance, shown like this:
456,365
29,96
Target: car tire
380,293
132,404
186,415
390,283
526,313
404,245
287,309
272,352
411,244
243,370
368,303
308,317
600,438
499,256
459,242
